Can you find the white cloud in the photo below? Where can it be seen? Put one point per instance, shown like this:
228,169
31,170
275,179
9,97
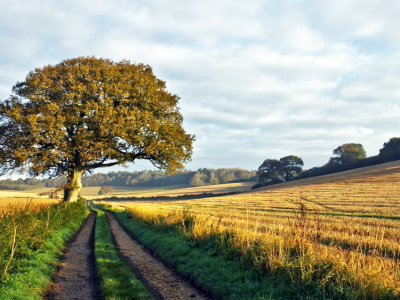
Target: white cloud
365,130
256,78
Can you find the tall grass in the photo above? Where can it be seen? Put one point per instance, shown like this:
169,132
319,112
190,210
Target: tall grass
32,239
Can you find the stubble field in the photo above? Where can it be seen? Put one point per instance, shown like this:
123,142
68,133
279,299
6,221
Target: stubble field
91,193
9,202
340,231
9,197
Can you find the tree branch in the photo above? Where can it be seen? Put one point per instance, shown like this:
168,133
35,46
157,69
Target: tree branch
101,164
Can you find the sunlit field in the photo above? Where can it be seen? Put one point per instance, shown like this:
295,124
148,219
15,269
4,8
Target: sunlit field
216,189
91,193
22,194
9,198
14,201
124,191
337,230
171,190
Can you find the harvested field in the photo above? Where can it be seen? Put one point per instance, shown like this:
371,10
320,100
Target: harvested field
216,189
349,221
20,194
13,201
90,193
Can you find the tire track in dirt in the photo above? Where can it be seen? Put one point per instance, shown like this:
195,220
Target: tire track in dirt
76,276
159,279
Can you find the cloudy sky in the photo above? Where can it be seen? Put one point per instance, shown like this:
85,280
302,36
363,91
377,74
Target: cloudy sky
257,79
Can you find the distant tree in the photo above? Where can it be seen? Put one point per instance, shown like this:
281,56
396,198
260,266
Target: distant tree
333,161
128,180
31,181
221,172
54,182
270,172
227,177
197,179
315,171
242,174
213,178
104,190
347,154
291,166
144,176
390,150
134,181
85,113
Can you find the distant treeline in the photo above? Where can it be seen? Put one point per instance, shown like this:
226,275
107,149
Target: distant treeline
347,157
145,178
334,168
389,152
21,184
160,178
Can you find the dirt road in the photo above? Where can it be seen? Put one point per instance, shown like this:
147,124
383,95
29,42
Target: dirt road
76,276
163,282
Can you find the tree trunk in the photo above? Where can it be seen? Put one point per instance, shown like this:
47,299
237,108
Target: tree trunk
73,186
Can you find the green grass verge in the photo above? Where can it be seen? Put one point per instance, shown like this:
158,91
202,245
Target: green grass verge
117,280
40,241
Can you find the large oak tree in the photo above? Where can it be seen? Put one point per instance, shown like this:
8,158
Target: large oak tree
85,113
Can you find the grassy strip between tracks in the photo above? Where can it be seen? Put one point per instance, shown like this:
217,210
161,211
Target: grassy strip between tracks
31,243
117,280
